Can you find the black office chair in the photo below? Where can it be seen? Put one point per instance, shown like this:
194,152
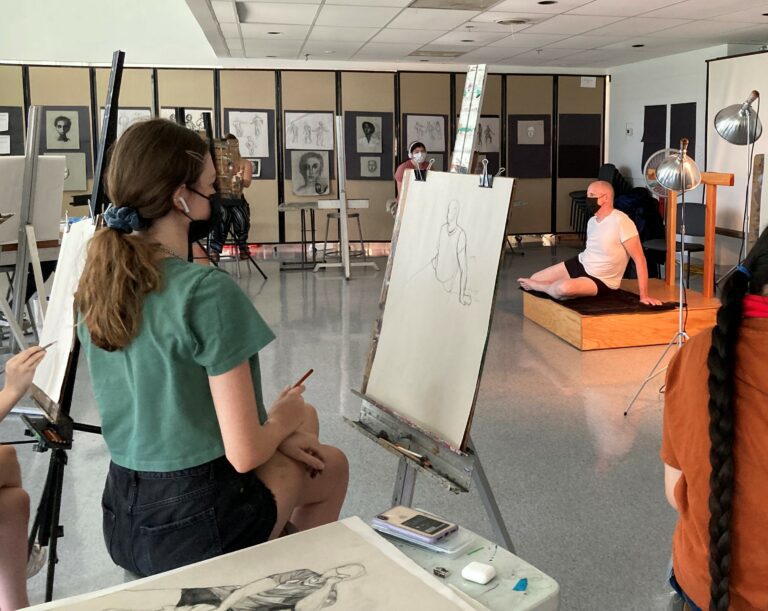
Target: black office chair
695,214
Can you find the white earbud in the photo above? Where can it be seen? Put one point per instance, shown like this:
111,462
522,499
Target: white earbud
184,205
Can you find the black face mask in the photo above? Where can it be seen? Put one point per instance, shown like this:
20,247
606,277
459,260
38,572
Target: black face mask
199,229
592,206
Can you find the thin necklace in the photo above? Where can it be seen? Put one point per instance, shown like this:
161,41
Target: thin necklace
168,251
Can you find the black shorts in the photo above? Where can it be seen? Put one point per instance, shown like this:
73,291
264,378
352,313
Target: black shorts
158,521
576,270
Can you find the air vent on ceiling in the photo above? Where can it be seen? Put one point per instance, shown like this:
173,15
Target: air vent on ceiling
437,53
460,5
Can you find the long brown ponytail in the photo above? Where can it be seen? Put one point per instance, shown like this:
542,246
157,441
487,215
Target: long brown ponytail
149,162
752,277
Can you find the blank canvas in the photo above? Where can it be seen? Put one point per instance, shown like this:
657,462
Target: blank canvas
438,301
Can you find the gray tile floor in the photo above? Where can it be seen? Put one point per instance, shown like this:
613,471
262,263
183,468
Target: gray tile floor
579,485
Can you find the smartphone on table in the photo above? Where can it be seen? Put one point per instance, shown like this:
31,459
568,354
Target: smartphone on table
414,524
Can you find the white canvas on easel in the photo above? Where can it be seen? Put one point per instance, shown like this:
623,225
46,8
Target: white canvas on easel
438,301
49,190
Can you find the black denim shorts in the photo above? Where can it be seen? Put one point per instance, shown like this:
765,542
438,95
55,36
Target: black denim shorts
158,521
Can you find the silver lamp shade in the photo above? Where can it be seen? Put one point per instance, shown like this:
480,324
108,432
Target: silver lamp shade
679,172
739,123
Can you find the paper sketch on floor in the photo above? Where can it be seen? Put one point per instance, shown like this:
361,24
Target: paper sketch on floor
309,131
438,302
428,129
344,566
487,135
193,117
126,117
251,130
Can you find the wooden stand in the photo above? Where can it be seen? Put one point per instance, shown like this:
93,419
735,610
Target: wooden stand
710,180
622,330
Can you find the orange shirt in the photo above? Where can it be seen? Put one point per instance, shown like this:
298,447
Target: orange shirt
685,446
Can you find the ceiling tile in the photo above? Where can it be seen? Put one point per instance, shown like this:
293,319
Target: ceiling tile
753,16
234,44
323,32
528,40
400,3
532,6
703,9
570,24
546,53
392,35
491,17
224,11
449,48
431,19
279,48
387,51
273,12
620,8
488,54
356,16
638,26
586,42
758,35
230,30
714,31
478,38
261,31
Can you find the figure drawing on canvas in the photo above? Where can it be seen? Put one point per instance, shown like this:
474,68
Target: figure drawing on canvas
450,260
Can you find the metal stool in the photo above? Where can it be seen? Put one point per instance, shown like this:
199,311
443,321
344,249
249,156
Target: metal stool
337,217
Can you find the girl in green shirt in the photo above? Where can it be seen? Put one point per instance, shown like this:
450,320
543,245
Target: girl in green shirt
199,467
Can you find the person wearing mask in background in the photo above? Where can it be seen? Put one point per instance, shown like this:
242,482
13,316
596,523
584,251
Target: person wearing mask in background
714,449
417,161
198,466
612,239
14,500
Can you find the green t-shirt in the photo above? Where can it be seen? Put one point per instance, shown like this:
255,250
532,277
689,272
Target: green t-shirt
156,407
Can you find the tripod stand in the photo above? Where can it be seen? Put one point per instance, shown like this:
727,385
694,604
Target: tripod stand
674,177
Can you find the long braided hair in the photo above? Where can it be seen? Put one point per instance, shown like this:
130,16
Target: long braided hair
750,277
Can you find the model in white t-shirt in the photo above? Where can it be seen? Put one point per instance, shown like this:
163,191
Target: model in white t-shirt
611,240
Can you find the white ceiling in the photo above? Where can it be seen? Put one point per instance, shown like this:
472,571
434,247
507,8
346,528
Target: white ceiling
594,33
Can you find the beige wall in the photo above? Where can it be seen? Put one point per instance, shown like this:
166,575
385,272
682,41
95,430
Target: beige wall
254,89
574,99
65,86
11,86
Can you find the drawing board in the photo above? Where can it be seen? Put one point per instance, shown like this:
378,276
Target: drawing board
59,325
438,296
49,190
344,566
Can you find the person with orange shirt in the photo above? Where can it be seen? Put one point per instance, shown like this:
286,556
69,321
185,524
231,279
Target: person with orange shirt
714,449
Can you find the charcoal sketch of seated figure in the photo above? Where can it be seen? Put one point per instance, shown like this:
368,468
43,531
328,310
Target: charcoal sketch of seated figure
450,260
298,590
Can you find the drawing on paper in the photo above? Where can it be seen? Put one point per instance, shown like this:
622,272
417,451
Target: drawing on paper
439,297
193,117
62,129
487,135
251,130
368,134
428,129
530,132
309,173
370,167
309,131
126,117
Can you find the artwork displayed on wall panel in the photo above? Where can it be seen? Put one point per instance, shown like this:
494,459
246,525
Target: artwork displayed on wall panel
579,137
429,129
127,116
310,173
193,117
374,131
488,134
309,131
255,131
67,129
529,146
11,130
74,175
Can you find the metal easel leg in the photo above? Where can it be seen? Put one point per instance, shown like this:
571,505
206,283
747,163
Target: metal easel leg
489,502
404,485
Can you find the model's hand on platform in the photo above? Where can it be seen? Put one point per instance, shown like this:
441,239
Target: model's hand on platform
305,448
19,371
651,301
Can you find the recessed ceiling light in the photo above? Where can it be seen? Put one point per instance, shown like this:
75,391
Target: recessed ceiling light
765,14
423,60
271,56
511,21
467,40
637,46
328,52
273,33
545,2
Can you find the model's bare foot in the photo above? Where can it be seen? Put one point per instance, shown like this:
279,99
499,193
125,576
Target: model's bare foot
524,283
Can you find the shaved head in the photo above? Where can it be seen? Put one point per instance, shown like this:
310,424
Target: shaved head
600,187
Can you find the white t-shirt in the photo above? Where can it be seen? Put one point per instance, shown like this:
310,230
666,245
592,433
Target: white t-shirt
605,256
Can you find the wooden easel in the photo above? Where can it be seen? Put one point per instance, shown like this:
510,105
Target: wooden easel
710,180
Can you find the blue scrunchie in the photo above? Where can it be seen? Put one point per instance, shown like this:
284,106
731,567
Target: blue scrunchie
745,271
124,219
